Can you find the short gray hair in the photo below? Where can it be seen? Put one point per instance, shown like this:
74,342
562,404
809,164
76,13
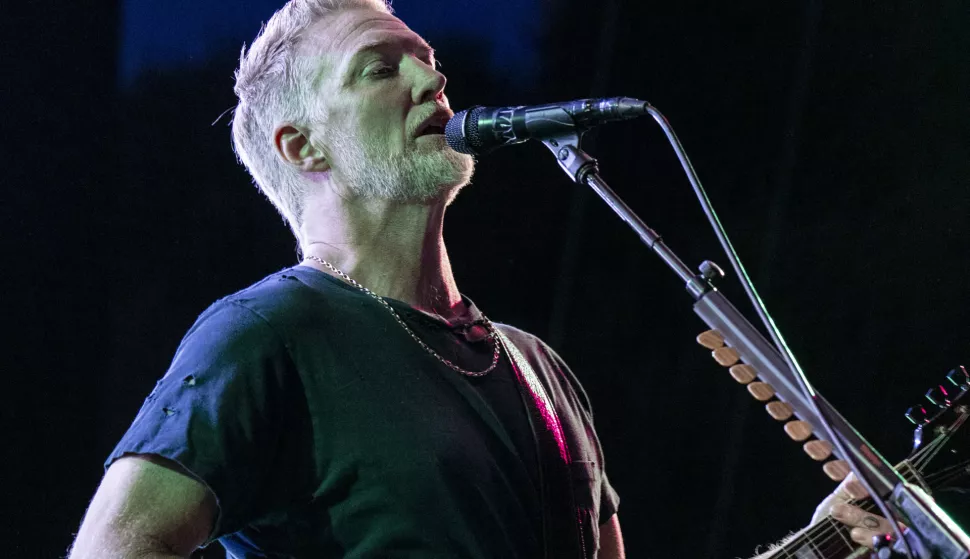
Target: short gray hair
273,87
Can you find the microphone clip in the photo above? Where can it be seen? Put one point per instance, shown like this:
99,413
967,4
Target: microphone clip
574,161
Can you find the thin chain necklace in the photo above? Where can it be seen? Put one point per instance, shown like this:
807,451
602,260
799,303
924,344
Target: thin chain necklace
492,334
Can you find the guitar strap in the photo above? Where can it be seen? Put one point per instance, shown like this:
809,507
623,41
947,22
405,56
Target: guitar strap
561,530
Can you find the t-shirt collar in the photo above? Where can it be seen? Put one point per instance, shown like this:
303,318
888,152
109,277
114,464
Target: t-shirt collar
324,281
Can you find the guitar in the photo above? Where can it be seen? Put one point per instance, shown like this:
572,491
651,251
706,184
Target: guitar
939,420
829,539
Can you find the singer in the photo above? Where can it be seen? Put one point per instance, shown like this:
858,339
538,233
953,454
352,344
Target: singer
356,404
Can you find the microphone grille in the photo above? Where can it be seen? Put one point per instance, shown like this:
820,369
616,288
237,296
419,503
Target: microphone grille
462,133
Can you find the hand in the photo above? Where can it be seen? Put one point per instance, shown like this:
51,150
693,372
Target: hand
865,524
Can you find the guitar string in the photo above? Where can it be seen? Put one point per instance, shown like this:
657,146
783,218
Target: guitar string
838,530
826,531
821,529
943,476
938,443
949,474
918,460
932,449
922,456
945,437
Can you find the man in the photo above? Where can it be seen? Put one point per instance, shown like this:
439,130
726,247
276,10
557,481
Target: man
355,405
307,416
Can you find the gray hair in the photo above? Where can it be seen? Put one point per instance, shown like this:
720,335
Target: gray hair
273,87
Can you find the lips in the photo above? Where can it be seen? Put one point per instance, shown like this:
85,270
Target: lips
435,124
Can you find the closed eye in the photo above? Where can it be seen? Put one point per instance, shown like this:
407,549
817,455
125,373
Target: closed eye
381,71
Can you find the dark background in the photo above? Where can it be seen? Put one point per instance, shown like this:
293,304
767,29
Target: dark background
831,135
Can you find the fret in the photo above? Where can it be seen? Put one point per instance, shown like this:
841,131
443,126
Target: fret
806,552
778,552
827,539
817,551
911,474
841,530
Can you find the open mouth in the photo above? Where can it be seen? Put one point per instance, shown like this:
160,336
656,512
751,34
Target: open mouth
434,125
432,129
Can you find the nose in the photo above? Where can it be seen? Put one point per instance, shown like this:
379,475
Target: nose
429,83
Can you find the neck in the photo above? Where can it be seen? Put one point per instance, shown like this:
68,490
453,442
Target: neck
394,249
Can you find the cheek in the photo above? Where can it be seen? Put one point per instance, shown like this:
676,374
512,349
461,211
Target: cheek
379,116
384,126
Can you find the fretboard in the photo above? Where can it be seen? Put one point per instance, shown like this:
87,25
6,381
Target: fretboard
828,539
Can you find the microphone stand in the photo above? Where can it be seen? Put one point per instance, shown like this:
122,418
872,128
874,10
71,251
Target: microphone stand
931,534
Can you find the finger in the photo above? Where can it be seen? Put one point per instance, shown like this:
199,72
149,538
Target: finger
851,489
840,492
856,517
855,490
824,508
863,536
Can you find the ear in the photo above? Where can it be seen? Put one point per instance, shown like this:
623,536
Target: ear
295,148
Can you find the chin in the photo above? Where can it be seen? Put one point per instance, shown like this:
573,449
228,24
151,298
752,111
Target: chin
418,177
433,195
441,177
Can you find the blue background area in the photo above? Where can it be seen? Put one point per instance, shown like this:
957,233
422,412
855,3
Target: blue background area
178,33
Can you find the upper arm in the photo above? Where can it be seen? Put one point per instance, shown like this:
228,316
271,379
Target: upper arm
611,540
217,420
146,503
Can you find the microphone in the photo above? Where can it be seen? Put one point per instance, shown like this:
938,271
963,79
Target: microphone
479,130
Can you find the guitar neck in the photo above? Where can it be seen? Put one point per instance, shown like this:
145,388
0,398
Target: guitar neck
829,539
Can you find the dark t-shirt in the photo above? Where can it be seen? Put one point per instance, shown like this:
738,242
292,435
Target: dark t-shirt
324,430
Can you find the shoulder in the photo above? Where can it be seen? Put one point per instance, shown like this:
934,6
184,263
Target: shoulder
277,295
272,303
245,321
296,299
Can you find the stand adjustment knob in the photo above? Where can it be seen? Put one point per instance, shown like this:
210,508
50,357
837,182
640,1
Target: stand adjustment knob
710,272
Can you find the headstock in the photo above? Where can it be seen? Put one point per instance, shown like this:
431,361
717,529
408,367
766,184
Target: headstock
940,398
946,409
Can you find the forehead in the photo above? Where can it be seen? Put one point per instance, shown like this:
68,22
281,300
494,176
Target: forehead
335,38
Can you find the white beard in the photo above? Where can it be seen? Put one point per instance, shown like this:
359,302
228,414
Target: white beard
423,173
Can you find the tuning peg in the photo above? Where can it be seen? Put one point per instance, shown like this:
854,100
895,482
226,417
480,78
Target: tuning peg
779,410
836,469
798,430
743,373
711,339
960,378
762,391
939,396
818,449
726,356
917,415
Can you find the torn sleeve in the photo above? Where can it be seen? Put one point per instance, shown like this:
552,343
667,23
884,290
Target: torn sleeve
219,409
